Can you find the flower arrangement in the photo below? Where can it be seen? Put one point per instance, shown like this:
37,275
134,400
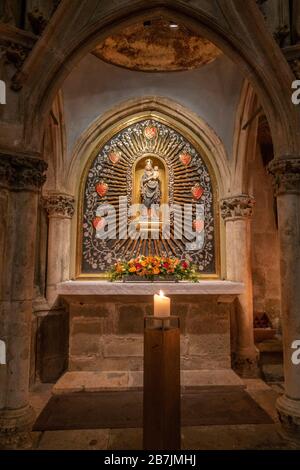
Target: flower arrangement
152,268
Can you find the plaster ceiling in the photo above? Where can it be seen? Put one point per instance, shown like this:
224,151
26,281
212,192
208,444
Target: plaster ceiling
156,46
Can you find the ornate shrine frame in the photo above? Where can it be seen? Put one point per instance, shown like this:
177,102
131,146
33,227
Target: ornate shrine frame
199,146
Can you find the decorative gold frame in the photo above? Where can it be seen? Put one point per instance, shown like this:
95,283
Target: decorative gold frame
194,140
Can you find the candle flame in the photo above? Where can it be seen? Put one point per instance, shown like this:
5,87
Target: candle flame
161,293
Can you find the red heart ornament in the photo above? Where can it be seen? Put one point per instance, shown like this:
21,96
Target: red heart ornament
198,225
197,191
150,132
102,188
114,157
98,223
185,158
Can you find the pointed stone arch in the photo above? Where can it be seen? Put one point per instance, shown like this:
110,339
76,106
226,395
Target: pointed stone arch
240,34
211,144
244,144
194,128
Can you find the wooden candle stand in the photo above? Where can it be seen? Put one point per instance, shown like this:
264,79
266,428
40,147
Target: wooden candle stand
161,430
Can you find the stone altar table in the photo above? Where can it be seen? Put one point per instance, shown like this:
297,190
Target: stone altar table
106,332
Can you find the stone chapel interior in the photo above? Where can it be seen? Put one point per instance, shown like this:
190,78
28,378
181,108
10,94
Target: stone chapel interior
100,95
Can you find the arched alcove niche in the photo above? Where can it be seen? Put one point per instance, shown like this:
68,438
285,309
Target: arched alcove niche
191,134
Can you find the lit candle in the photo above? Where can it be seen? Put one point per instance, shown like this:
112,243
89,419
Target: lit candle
161,305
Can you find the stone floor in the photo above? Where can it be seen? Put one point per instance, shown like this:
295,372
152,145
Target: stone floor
234,437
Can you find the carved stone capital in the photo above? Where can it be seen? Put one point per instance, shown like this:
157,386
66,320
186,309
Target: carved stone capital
22,172
292,55
15,46
234,207
286,175
37,21
15,427
295,66
59,205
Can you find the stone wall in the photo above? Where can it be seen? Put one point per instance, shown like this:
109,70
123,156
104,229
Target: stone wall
265,246
94,87
107,334
49,344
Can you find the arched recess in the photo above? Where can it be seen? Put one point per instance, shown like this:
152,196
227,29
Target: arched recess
54,146
238,32
137,169
194,128
244,142
249,176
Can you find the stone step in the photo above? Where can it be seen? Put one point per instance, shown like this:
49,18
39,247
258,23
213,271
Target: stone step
272,372
96,381
270,346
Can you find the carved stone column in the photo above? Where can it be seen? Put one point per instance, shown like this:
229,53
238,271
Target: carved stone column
60,209
237,212
21,178
286,176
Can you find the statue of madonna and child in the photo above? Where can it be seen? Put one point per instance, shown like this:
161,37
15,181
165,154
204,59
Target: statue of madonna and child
150,188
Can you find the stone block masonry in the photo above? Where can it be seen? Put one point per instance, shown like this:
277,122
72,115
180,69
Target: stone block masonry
107,334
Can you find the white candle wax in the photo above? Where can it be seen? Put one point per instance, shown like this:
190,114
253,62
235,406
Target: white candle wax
161,305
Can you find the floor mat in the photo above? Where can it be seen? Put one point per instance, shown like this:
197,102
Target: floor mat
125,410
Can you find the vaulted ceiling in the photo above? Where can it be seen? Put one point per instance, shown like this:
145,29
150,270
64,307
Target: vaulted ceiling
157,45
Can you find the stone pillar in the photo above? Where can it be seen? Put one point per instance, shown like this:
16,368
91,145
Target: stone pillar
237,212
60,209
286,175
21,178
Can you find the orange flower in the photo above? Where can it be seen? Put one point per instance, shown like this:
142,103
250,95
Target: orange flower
132,269
119,268
156,270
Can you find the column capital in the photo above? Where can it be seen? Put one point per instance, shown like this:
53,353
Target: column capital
22,172
59,205
286,175
237,207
